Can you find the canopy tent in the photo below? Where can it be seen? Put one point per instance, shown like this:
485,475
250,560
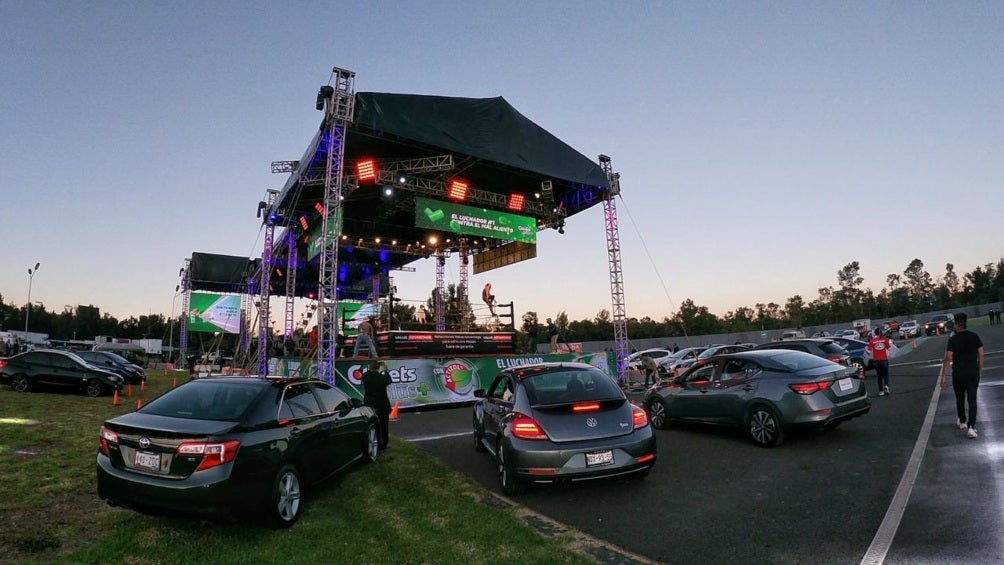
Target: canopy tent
494,149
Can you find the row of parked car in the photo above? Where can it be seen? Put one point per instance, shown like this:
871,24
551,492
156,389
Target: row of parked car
93,373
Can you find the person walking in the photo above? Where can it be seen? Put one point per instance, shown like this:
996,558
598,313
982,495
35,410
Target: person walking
878,348
964,354
365,338
651,369
375,383
552,334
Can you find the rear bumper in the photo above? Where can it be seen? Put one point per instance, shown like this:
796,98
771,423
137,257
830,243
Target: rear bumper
546,462
835,414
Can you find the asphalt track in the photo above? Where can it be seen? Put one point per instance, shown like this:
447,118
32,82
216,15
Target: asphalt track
901,485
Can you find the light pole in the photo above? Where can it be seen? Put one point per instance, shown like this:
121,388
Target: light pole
170,343
27,308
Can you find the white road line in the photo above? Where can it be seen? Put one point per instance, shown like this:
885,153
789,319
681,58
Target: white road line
887,530
434,438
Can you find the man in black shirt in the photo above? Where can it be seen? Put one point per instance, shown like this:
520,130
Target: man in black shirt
375,383
965,355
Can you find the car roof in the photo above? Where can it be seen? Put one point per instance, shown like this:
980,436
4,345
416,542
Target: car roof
816,340
524,371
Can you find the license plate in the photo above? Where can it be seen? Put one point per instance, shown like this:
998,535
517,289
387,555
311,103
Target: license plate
845,384
599,458
148,460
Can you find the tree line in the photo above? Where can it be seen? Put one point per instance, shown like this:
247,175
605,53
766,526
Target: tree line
913,290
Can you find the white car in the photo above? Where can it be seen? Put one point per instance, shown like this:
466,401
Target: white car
852,334
659,354
909,328
672,365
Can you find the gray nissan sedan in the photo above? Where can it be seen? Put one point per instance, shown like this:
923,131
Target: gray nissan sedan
556,422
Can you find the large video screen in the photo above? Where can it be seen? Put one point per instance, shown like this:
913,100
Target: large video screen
468,220
209,312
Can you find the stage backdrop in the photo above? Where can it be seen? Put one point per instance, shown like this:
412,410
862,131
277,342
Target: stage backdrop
440,380
209,312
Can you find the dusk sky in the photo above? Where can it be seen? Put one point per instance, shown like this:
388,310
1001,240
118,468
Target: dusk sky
762,146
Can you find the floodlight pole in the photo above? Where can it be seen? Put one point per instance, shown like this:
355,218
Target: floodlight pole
616,274
27,307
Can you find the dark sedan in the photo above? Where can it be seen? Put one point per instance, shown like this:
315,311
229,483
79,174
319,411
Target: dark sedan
228,447
821,347
560,422
133,374
766,393
54,368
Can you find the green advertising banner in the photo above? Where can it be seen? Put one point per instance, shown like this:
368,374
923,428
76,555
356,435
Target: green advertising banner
441,380
317,242
468,220
208,312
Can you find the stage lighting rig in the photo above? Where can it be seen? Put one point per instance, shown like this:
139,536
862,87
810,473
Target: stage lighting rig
324,93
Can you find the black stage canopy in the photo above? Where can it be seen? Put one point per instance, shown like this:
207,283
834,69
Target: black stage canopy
221,273
494,148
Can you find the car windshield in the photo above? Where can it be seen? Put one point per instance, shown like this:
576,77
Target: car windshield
205,400
709,352
117,358
570,385
798,361
831,347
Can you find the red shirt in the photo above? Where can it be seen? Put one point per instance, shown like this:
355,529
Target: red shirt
879,347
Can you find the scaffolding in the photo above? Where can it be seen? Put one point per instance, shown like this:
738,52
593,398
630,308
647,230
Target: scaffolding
263,284
616,275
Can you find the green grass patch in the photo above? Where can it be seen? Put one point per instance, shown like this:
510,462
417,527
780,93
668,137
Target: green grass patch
405,508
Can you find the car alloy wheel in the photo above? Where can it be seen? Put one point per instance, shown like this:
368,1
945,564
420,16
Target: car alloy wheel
658,414
94,388
858,366
372,443
286,497
478,446
19,383
511,486
765,427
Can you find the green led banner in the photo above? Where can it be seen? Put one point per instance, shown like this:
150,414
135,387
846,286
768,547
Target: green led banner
468,220
208,312
317,242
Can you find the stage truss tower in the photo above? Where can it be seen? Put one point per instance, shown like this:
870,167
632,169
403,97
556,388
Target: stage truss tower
462,294
440,290
290,280
263,288
338,102
186,301
616,274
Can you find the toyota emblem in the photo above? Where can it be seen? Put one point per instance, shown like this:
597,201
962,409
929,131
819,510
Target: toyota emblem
591,422
144,442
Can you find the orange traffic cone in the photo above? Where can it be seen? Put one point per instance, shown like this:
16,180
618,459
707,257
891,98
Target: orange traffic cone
139,404
142,384
174,382
393,411
129,390
915,345
115,398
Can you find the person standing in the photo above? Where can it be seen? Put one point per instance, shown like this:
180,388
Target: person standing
878,347
365,338
651,369
552,334
375,383
965,356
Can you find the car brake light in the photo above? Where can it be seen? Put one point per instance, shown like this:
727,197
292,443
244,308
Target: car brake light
586,407
809,388
3,363
213,454
638,417
105,437
525,427
837,359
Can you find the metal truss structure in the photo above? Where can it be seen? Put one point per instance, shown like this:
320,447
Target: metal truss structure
462,293
440,290
616,275
439,189
186,302
337,102
290,281
263,286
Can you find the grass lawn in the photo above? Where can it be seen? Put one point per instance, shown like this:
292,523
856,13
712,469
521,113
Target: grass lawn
405,508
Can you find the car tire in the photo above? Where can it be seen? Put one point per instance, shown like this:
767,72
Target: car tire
658,414
19,383
478,437
93,388
371,449
859,367
764,426
286,505
510,485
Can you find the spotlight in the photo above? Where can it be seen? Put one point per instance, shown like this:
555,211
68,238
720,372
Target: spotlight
402,178
547,191
366,170
261,208
516,202
458,190
273,218
388,191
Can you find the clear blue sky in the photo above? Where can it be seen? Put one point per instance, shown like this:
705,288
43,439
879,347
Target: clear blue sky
762,145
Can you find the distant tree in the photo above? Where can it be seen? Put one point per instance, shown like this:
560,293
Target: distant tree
919,284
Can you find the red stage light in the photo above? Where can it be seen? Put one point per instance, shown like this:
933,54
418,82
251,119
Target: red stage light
278,271
304,224
458,190
516,202
366,170
320,208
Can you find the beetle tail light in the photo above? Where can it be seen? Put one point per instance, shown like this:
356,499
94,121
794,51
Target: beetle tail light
525,427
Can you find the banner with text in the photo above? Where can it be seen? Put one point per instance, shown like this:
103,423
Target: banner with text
468,220
209,312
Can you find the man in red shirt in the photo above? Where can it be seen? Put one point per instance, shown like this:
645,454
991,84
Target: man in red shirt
879,347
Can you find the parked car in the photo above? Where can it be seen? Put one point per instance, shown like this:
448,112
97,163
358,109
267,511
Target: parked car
132,374
853,334
658,354
228,447
767,393
712,351
554,422
57,369
856,350
939,324
671,366
825,348
792,334
909,328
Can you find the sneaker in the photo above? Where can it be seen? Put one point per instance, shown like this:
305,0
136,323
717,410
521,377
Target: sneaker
882,393
971,434
886,390
962,425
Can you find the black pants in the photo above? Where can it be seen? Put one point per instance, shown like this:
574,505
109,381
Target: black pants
653,374
384,416
965,393
882,374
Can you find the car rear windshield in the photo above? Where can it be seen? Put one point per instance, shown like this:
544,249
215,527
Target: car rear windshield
572,385
798,361
832,348
206,400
